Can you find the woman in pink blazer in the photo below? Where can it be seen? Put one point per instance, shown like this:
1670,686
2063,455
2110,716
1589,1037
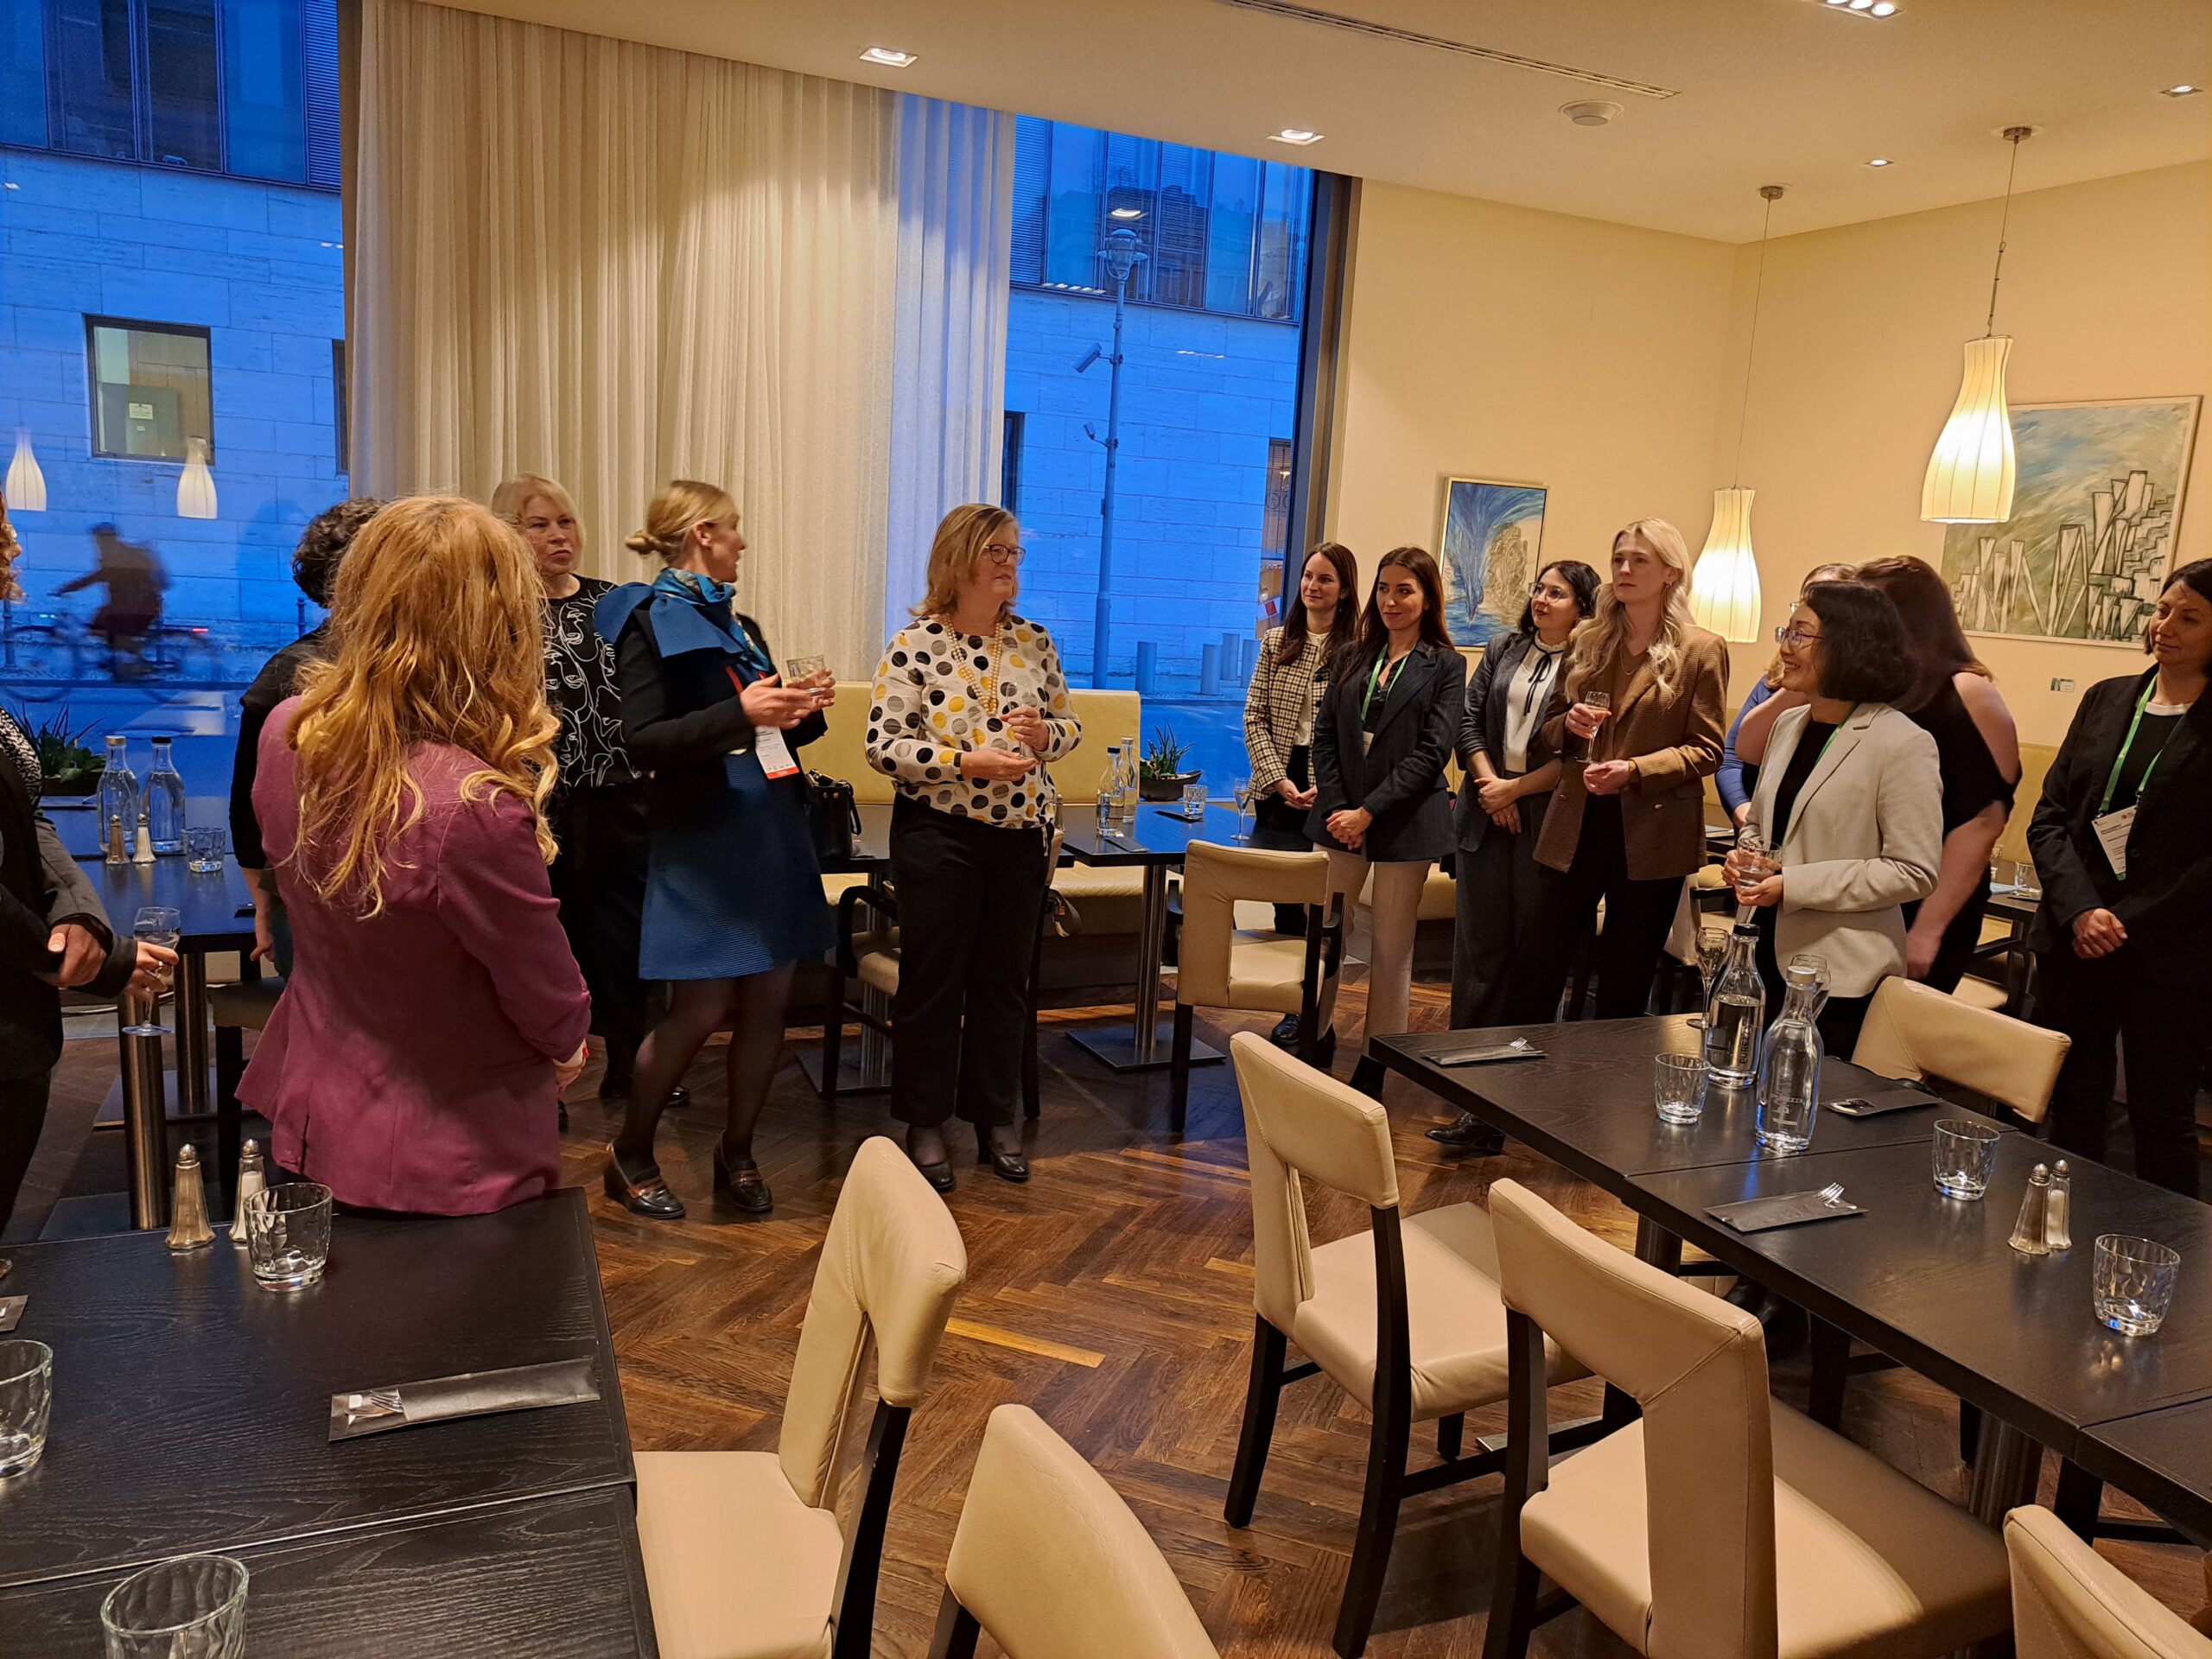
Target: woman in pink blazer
434,1014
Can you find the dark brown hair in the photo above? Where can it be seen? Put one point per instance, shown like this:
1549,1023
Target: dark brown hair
324,542
1931,623
2196,577
1375,634
1581,581
1865,654
1292,646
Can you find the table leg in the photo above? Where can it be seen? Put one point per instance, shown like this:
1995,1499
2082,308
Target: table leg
191,1033
145,1126
1140,1048
2016,970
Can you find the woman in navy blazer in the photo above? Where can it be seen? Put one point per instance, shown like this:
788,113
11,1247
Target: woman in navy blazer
1380,744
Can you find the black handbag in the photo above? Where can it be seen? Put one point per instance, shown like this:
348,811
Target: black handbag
834,816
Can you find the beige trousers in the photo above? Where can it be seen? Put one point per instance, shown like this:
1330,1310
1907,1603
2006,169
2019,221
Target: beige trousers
1392,913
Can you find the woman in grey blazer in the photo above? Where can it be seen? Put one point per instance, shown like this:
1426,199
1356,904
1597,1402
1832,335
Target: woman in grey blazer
1850,800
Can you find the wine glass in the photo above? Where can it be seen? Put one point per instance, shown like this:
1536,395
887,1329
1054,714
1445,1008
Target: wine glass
1601,704
1712,951
1244,807
156,925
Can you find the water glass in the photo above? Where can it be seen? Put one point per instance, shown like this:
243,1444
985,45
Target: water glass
2134,1282
156,925
1194,801
26,1401
1965,1151
193,1607
204,850
288,1234
1678,1087
798,670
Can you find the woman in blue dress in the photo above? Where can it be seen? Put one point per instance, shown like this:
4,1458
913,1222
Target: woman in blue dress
732,890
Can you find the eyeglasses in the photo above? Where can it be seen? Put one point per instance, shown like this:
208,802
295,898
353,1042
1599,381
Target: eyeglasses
1788,636
1539,591
999,553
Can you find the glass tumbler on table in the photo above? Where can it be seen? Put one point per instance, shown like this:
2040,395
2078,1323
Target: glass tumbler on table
205,850
1965,1153
287,1235
193,1607
1194,801
156,925
1678,1087
2133,1282
26,1402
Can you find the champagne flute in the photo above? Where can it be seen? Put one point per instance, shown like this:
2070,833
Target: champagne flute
156,925
1243,793
1600,703
1712,951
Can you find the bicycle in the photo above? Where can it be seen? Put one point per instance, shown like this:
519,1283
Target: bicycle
52,652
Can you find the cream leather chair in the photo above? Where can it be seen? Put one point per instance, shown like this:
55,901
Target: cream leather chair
1722,1524
1049,1559
745,1558
2070,1603
1259,973
1405,1318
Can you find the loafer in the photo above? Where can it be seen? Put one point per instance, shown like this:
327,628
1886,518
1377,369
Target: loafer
1006,1165
741,1178
1284,1035
646,1195
1469,1134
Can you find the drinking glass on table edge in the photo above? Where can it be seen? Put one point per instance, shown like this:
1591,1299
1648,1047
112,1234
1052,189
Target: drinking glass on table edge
2133,1282
205,850
1678,1087
193,1607
1245,806
1194,801
26,1402
1965,1153
287,1235
156,925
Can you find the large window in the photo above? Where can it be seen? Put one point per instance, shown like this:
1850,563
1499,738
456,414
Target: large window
149,391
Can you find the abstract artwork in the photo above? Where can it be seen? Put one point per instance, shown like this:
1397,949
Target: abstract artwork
2095,514
1493,536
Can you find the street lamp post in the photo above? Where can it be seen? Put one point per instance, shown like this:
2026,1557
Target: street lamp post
1122,258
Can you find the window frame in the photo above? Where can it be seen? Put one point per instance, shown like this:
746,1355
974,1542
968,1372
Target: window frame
93,382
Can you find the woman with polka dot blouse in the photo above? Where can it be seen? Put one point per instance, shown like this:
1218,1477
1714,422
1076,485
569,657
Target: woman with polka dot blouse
968,705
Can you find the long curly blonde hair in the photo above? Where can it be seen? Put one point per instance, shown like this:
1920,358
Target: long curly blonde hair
1601,637
436,613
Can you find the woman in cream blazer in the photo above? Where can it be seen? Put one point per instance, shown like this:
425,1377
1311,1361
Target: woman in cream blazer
1850,801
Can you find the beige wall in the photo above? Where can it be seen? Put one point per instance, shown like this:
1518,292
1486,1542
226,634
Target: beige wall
1605,363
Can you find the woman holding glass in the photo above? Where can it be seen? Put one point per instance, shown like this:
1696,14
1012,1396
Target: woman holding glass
1380,742
1849,803
732,890
2121,845
968,705
1739,773
1641,705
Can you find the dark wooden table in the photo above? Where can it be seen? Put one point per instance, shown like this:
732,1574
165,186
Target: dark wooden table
191,1407
2161,1459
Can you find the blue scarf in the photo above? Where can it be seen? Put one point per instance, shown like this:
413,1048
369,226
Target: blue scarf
711,599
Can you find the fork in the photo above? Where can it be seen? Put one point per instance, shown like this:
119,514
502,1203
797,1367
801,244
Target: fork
375,1403
1832,1194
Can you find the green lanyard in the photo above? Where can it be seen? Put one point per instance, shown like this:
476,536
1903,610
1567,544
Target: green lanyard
2112,782
1830,738
1376,679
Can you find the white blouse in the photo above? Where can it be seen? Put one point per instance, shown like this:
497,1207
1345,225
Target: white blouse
939,692
1528,695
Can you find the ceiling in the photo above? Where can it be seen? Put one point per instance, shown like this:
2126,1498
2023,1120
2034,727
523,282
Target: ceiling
1787,91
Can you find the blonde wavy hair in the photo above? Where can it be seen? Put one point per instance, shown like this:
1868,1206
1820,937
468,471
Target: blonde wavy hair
675,512
517,492
1599,640
956,549
436,613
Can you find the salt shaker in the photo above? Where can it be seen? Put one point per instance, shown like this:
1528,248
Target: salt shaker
252,1179
143,853
2035,1209
2058,1215
189,1228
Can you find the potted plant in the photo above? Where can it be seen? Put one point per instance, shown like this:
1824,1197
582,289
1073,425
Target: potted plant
68,766
1161,777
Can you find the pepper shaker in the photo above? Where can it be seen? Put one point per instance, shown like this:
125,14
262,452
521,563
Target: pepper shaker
252,1179
144,852
2035,1209
2058,1216
189,1228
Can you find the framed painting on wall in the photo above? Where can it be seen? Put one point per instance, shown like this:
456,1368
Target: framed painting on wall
2096,513
1492,537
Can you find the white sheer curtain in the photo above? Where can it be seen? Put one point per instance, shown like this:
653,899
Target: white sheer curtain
947,400
616,264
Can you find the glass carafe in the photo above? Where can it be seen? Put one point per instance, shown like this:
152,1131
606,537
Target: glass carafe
118,803
165,800
1790,1069
1125,799
1110,785
1737,1012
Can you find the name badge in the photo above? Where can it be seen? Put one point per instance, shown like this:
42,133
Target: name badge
2111,835
773,753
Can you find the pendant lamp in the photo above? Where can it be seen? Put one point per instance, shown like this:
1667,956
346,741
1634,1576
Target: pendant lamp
1725,585
1970,474
26,483
195,486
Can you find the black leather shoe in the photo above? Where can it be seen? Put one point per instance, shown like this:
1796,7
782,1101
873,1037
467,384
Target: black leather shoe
641,1195
741,1178
938,1174
615,1091
1469,1134
564,1114
1006,1165
1284,1035
1367,1076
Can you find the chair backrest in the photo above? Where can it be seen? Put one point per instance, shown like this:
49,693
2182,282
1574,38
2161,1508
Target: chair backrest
1107,717
2070,1603
1298,1122
1697,1366
1050,1561
1916,1031
891,1268
841,751
1214,879
2035,765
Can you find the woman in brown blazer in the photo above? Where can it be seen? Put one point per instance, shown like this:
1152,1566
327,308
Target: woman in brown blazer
1627,821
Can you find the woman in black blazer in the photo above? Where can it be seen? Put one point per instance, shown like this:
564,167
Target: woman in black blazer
2127,901
1380,744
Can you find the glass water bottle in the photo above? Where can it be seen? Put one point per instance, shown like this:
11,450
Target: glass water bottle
118,803
165,800
1789,1070
1737,1012
1125,799
1110,786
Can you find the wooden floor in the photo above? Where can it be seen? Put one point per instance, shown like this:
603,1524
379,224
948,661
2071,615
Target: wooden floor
1112,1294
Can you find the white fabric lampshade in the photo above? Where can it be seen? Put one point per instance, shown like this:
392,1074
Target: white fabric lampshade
1725,582
1970,475
26,483
195,486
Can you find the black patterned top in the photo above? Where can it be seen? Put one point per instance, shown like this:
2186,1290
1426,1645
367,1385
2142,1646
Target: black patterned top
939,692
23,754
580,687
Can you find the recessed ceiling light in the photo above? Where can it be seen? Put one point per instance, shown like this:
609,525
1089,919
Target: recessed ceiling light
1590,111
2182,90
1296,136
889,57
1879,161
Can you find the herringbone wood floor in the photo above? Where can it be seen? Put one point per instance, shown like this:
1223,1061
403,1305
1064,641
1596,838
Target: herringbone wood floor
1112,1294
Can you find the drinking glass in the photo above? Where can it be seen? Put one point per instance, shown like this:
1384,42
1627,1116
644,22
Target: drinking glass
157,924
1194,801
204,850
1678,1087
800,669
2134,1282
1243,808
193,1607
1602,703
1712,951
1965,1151
26,1400
288,1234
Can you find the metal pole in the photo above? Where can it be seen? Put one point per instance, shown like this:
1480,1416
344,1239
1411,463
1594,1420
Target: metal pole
1102,624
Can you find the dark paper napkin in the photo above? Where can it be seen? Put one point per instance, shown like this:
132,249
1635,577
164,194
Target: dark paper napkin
472,1394
1758,1215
